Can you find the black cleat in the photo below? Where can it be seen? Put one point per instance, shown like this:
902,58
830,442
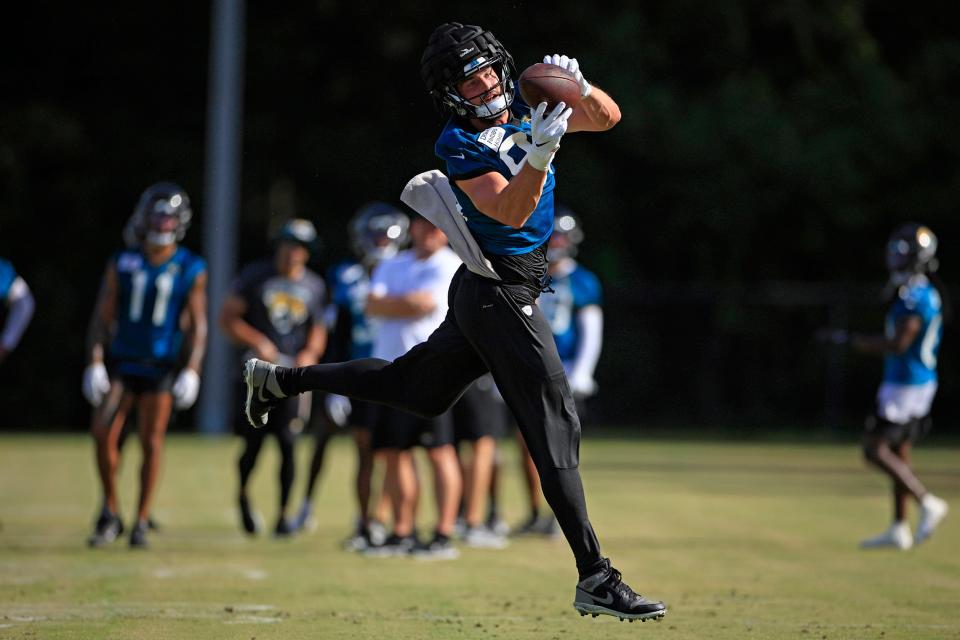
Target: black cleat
248,519
108,528
606,593
138,535
263,392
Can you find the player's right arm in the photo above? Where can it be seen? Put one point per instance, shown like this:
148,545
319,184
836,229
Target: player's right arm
512,202
96,382
104,316
906,330
242,332
20,307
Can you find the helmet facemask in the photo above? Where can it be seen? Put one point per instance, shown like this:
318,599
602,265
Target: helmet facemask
150,222
164,223
463,105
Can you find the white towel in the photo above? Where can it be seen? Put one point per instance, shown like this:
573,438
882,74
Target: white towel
430,195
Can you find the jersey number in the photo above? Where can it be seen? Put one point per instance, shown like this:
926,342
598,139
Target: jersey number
928,348
164,285
513,152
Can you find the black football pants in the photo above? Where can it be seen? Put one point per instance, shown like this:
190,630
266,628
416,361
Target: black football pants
489,327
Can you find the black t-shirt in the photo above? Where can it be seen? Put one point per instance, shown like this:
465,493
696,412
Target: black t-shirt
282,309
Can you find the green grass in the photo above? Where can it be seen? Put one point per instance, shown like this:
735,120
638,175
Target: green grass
742,540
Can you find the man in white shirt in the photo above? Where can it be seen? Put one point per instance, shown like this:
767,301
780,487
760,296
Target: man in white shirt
408,297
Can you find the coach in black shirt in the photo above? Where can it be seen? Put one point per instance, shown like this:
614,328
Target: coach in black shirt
275,312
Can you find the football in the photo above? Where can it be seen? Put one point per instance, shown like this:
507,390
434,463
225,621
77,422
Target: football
548,83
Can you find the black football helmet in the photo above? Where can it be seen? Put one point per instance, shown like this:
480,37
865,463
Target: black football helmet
378,231
567,235
456,51
912,248
149,222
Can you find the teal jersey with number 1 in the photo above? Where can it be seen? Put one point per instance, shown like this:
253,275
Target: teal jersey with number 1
150,299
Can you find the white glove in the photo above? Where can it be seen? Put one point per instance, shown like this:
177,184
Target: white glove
96,383
545,133
582,385
571,65
185,389
338,408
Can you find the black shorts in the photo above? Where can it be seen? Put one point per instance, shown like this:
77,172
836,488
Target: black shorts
148,384
896,434
479,412
396,429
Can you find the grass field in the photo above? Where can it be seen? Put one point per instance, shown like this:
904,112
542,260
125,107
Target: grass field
742,541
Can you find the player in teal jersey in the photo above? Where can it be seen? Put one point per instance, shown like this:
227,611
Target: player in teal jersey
146,345
909,345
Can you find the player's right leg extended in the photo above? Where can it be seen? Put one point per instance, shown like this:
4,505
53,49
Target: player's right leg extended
426,380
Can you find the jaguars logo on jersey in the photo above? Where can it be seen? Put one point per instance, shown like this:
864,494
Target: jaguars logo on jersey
285,308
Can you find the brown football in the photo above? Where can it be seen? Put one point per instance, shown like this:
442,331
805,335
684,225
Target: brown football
548,83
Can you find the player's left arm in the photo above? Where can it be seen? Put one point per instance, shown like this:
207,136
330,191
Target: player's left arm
187,384
197,314
590,325
597,111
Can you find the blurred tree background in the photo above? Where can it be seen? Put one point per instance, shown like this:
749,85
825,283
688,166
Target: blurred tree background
766,151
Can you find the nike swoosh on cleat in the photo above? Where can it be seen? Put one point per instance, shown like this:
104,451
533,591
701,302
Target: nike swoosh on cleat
458,156
607,600
260,395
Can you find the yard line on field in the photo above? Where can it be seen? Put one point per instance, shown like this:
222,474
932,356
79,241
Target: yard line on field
250,573
252,620
250,607
53,612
